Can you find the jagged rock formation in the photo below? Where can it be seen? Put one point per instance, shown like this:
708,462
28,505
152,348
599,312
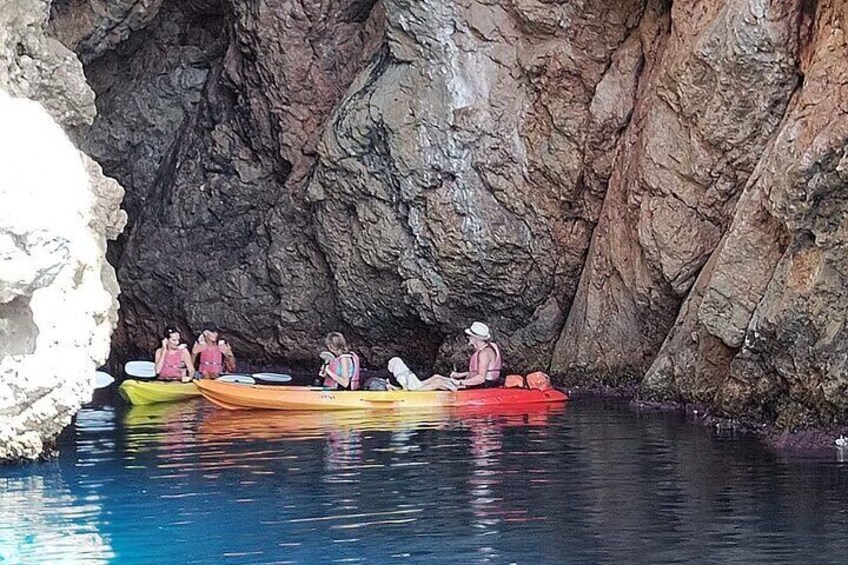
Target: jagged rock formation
707,107
450,184
762,335
218,137
604,183
57,293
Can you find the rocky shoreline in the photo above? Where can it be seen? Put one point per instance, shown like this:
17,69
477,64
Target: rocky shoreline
813,441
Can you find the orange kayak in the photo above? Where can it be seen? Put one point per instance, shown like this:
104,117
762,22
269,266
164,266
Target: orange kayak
234,396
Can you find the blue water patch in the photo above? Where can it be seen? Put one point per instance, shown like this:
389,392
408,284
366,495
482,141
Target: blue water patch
588,482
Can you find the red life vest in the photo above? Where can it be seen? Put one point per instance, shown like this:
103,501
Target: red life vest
211,360
172,368
494,372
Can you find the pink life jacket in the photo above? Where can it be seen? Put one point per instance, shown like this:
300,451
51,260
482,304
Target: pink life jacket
335,367
494,372
211,360
172,368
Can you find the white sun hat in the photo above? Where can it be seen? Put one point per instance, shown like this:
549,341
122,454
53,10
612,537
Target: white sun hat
479,330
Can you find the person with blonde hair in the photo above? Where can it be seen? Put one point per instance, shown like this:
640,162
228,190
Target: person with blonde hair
212,355
341,368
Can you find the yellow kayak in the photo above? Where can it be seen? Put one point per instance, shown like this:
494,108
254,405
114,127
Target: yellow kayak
153,392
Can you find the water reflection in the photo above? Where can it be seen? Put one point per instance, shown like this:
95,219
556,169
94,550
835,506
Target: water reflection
45,518
590,482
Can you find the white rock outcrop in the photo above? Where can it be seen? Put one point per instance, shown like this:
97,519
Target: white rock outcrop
57,293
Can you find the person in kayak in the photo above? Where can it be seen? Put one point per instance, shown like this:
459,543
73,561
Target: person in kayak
343,369
410,381
172,360
484,367
212,354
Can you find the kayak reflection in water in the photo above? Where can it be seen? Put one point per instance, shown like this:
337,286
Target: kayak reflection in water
213,355
172,360
341,365
484,367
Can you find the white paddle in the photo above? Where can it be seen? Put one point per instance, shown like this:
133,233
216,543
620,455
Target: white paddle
102,379
141,369
240,379
272,377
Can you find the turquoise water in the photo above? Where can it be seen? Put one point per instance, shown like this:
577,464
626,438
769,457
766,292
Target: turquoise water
588,482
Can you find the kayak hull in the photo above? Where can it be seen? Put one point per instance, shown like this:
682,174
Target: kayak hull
140,393
250,397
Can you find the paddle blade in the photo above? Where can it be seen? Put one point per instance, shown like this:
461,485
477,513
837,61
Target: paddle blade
102,379
239,379
272,377
140,369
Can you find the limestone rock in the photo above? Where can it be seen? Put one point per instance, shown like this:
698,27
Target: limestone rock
57,292
35,66
56,310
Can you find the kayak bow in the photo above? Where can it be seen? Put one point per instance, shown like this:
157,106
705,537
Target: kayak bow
153,392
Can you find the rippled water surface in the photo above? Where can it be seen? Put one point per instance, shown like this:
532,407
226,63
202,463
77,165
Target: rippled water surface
588,482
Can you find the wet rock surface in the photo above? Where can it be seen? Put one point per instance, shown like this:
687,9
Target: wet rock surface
641,189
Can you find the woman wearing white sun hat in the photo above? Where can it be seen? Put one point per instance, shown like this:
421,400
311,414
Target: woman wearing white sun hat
484,367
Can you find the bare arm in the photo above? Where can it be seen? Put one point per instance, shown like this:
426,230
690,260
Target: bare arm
159,358
229,358
196,351
188,362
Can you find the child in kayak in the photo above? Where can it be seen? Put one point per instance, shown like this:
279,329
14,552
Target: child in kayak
484,367
172,360
213,355
343,369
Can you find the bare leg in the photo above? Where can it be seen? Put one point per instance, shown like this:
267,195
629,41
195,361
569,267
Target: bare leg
438,382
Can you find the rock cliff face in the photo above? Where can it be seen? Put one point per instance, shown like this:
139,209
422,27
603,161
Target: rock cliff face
623,190
57,293
708,105
763,332
451,181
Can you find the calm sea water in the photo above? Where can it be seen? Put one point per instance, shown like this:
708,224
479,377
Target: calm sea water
588,482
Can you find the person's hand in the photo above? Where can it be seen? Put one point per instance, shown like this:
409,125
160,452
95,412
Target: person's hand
226,349
165,344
